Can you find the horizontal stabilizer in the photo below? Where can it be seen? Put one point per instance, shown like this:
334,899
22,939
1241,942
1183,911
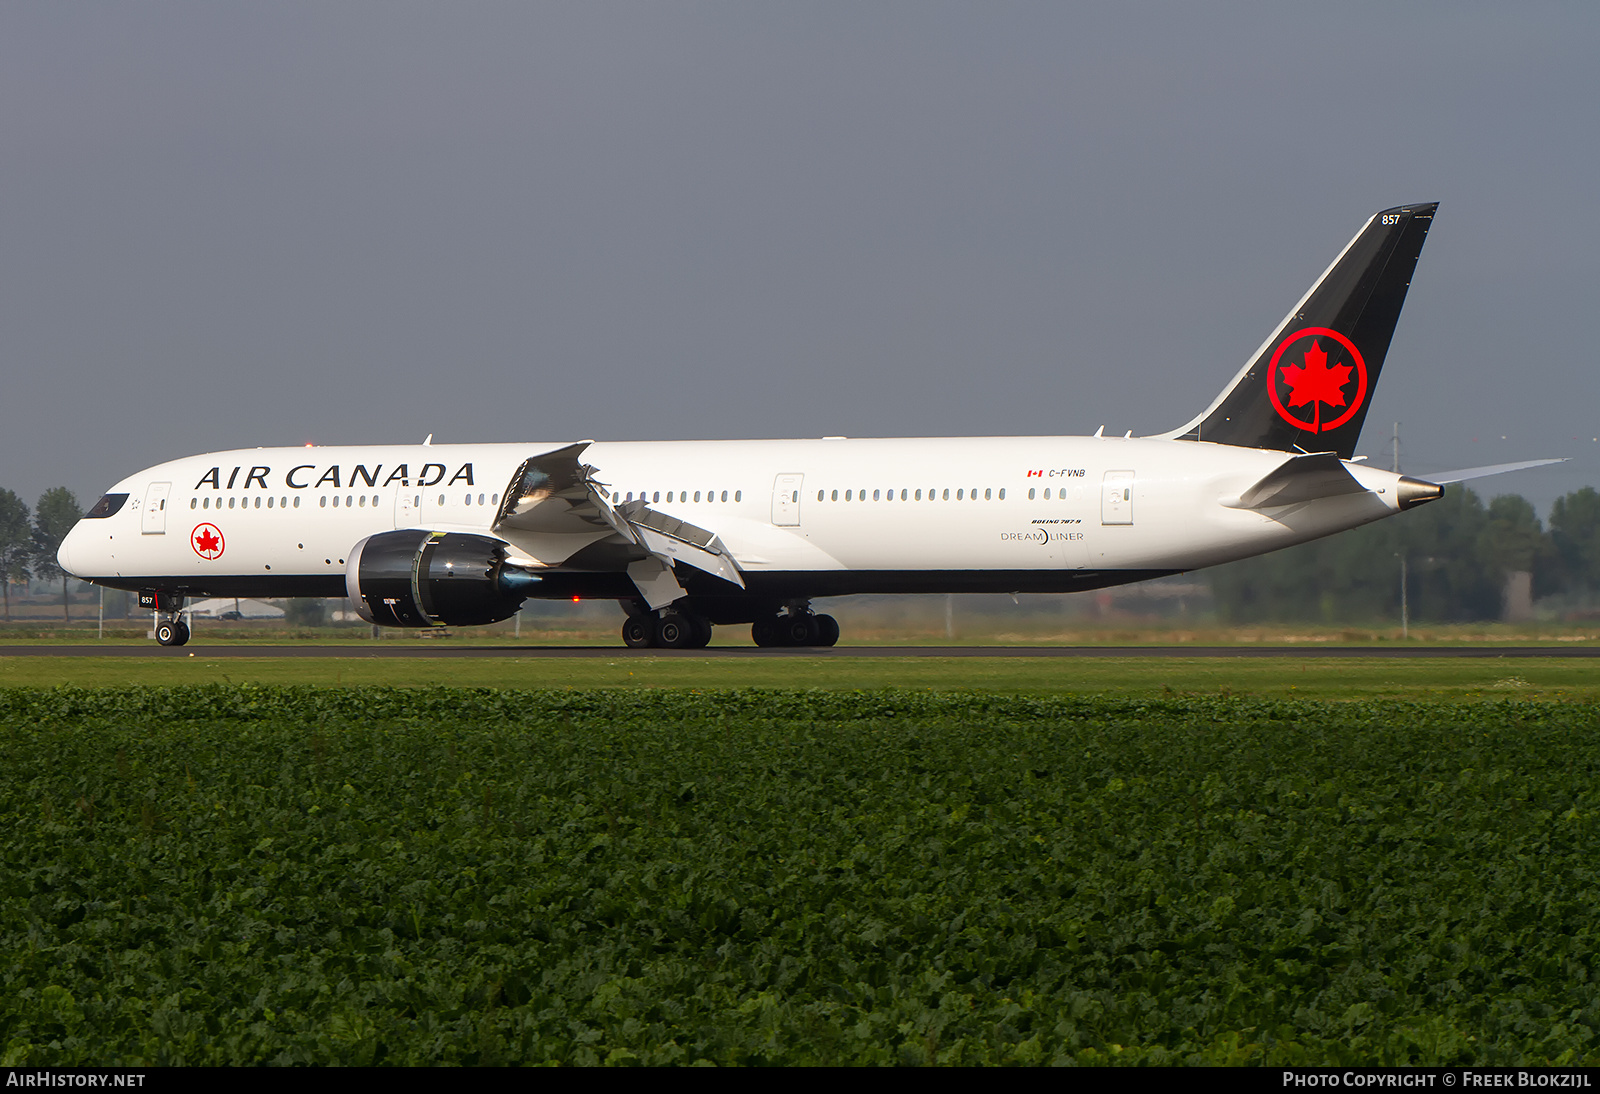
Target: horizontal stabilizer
1465,473
1302,478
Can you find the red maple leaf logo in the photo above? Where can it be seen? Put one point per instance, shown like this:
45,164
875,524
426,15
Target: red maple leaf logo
207,541
1316,381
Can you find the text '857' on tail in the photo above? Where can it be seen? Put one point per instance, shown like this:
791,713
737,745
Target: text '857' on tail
1309,385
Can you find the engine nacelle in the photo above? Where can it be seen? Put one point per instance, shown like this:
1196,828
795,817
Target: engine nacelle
417,578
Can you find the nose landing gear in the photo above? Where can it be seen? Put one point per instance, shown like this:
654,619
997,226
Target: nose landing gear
171,630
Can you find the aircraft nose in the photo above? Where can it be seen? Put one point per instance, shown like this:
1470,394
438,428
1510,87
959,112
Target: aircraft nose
64,552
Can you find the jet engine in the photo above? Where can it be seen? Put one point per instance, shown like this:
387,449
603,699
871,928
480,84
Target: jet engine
417,578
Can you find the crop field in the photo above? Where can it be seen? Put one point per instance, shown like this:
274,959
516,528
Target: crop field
250,874
1480,678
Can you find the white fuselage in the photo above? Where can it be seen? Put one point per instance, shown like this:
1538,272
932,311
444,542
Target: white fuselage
829,516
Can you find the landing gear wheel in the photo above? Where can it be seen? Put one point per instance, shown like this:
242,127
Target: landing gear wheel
764,632
827,630
799,630
675,632
175,633
639,632
702,631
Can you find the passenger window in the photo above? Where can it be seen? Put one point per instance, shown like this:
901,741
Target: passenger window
269,502
336,501
849,495
1002,493
231,501
193,502
959,495
836,495
986,496
207,502
297,501
919,495
697,495
363,501
657,496
947,493
1046,493
1030,493
903,495
347,500
480,499
875,495
724,495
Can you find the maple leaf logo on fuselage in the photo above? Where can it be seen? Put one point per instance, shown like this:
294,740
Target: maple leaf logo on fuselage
206,540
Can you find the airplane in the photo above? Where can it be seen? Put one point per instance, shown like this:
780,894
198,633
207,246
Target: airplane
689,535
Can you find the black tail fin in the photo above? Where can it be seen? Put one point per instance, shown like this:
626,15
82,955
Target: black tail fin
1309,385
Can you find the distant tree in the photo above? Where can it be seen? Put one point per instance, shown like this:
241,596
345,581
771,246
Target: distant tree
1575,537
16,543
1355,576
53,518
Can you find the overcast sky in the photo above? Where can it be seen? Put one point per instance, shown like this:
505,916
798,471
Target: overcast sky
227,225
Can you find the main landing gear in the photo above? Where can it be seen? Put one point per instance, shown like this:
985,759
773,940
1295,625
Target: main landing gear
796,627
669,630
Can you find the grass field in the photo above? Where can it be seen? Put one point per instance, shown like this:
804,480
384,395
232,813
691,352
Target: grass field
235,875
1495,678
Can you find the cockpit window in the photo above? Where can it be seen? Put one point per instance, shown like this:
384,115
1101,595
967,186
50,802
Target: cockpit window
106,506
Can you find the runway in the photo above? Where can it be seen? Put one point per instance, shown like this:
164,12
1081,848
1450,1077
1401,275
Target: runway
380,649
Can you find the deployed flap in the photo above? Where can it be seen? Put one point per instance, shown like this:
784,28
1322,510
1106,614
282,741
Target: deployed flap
680,541
654,579
1303,478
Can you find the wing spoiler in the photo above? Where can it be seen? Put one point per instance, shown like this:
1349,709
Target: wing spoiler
557,493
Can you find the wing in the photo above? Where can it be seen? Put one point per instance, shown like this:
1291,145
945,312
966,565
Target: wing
556,493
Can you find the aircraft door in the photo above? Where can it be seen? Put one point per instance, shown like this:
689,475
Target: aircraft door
154,522
786,500
1116,498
